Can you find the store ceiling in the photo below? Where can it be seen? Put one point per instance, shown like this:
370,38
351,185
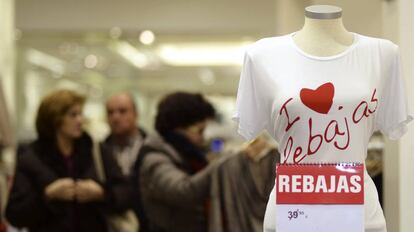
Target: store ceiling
74,33
162,16
92,58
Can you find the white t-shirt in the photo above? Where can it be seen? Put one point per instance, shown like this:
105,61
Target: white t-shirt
323,109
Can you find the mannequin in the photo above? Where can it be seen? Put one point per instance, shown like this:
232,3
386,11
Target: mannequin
306,89
323,33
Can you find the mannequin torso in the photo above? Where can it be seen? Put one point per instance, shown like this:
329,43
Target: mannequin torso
305,86
323,33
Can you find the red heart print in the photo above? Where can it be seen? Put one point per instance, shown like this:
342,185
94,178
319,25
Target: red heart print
319,100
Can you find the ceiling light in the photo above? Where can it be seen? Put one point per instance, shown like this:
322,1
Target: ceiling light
203,54
115,32
91,61
147,37
46,61
207,76
131,54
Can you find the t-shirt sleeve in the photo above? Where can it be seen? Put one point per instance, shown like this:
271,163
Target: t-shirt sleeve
250,112
394,113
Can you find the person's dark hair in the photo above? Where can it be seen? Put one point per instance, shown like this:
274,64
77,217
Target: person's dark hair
180,110
52,109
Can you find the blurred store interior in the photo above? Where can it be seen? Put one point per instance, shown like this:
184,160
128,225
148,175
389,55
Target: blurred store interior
151,48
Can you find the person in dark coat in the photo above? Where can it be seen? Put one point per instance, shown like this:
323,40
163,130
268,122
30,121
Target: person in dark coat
55,186
124,142
174,175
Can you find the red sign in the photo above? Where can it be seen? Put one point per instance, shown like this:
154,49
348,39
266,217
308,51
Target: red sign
341,183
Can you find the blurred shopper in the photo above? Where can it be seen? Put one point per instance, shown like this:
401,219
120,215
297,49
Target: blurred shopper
124,142
55,185
174,173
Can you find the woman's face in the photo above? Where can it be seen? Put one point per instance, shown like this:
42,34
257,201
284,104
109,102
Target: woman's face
195,132
72,121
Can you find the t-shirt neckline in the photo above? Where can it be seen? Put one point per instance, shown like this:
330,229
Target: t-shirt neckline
341,54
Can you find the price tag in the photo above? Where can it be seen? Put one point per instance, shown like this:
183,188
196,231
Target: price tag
320,197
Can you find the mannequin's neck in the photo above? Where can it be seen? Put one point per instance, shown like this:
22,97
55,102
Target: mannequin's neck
323,37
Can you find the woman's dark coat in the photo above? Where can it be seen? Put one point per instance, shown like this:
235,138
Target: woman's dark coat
41,163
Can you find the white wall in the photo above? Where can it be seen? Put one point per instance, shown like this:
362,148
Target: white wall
406,144
6,77
391,162
7,69
7,51
289,15
399,209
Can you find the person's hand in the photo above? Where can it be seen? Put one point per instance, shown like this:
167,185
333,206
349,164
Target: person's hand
88,190
61,189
